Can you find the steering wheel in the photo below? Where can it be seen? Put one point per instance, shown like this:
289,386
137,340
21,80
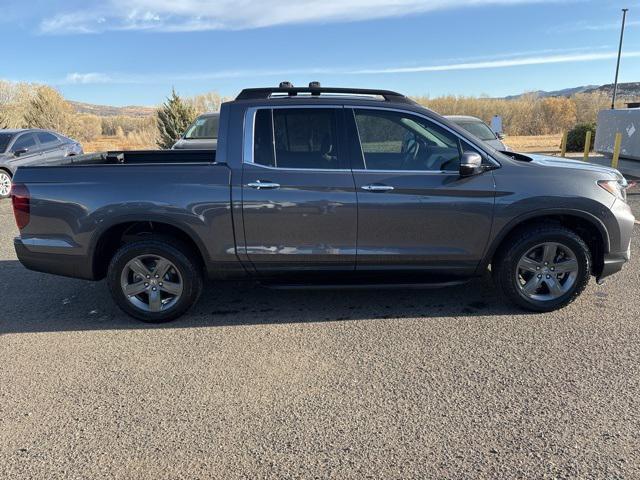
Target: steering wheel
411,153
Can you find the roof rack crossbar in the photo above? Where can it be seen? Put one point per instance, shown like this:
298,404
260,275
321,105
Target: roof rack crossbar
265,93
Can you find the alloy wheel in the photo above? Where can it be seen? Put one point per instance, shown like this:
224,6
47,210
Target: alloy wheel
547,271
5,184
151,283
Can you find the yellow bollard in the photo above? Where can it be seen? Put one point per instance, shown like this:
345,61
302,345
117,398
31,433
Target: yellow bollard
563,145
616,150
587,146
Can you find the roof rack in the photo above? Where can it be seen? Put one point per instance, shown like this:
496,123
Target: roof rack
315,89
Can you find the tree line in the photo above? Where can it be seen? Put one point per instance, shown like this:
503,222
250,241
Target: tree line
24,105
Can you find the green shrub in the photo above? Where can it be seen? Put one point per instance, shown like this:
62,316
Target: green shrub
577,136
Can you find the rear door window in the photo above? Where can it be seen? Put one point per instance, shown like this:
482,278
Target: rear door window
47,139
304,138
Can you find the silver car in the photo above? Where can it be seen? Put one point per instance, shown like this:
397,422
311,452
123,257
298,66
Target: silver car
32,147
201,135
477,127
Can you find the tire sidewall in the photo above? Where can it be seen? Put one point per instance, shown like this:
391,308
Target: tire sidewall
573,242
192,282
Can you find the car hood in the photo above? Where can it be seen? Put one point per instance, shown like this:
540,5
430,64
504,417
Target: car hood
548,161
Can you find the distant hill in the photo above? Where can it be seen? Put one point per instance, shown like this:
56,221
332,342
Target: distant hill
626,91
109,111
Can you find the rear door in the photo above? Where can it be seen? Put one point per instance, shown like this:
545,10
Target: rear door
52,147
298,196
415,212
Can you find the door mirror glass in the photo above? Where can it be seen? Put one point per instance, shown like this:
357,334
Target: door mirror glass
20,151
470,164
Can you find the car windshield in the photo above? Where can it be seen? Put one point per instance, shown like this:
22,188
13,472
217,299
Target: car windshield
203,127
479,129
5,138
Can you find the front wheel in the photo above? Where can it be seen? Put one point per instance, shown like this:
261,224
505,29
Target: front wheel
155,280
5,184
543,268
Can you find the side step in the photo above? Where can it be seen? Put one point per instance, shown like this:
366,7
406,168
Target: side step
364,286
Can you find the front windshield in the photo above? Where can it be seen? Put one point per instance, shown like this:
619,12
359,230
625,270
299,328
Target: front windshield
203,127
5,138
479,129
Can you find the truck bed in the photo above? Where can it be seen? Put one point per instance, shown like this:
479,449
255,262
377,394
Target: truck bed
139,157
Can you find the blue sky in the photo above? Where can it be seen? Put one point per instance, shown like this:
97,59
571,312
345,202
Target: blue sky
131,52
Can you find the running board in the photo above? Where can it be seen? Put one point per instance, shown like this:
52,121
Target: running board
365,286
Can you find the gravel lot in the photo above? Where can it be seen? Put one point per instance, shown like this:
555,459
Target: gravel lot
266,384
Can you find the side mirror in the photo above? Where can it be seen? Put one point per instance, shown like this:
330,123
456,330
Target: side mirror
500,135
470,164
20,151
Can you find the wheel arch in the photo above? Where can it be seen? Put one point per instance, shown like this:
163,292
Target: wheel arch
111,238
586,225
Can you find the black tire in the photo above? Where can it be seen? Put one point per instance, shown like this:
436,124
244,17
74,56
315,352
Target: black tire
183,259
506,263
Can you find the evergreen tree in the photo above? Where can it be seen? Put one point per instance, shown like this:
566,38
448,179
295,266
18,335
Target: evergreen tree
173,119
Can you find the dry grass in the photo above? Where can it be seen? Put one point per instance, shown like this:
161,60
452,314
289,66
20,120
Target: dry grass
529,143
534,143
104,143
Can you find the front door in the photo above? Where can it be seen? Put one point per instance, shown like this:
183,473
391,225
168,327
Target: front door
299,203
28,151
415,212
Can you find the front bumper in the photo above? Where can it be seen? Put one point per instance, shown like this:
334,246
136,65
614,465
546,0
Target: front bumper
614,261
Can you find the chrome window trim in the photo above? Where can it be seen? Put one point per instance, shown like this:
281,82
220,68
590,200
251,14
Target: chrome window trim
441,125
248,141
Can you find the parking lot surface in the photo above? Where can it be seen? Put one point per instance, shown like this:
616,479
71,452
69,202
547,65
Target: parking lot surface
255,383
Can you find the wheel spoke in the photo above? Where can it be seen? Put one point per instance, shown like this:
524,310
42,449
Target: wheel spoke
529,264
162,267
138,267
155,301
171,288
134,289
549,254
565,266
532,286
554,286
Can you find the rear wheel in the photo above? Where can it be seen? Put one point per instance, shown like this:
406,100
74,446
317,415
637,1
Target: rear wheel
155,280
543,268
5,184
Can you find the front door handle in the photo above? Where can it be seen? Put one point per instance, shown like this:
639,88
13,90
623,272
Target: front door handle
262,185
377,187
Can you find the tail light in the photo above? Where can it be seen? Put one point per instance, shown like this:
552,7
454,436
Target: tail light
21,200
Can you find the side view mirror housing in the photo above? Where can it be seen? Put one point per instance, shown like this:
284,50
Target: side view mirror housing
20,151
470,164
500,135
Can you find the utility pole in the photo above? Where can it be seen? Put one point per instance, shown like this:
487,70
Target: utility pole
615,83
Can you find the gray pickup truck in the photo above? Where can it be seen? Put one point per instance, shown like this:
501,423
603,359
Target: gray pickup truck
324,187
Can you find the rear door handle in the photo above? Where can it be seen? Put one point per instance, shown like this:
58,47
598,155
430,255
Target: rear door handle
262,185
377,187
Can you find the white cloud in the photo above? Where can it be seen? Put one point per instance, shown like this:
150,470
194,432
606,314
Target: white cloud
511,62
594,27
86,78
507,61
195,15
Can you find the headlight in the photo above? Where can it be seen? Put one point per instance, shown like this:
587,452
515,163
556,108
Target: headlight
617,188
